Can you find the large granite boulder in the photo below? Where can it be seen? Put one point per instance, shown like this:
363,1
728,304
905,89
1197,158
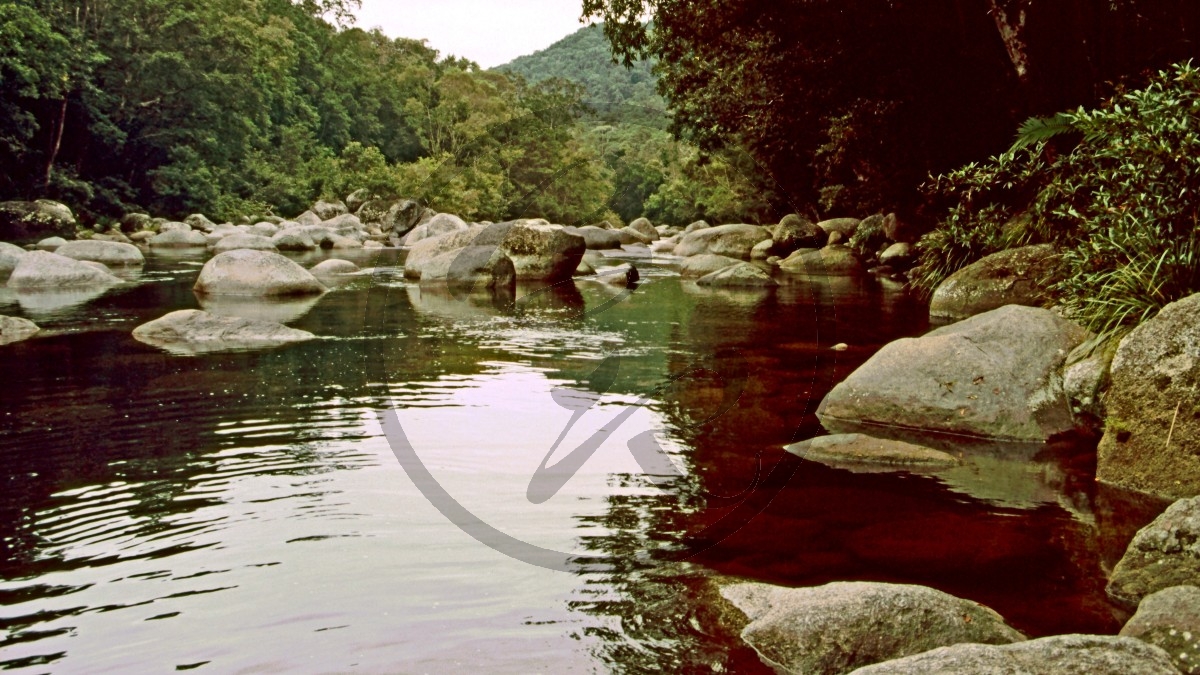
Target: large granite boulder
1151,440
833,260
994,376
1056,655
15,329
442,223
179,239
1170,619
704,264
471,268
846,227
355,200
251,242
1163,554
795,232
293,239
845,625
326,210
10,255
596,238
396,217
1017,276
45,270
30,221
741,275
538,251
192,331
644,227
198,221
309,218
255,273
110,253
735,241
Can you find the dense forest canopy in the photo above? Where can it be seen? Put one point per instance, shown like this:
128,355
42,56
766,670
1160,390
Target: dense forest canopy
251,106
853,104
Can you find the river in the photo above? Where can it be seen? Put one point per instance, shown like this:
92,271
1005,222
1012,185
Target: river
249,512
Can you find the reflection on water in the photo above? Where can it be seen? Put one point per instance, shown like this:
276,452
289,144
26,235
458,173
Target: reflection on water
243,512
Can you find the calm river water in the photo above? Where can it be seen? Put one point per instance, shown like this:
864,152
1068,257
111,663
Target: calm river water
246,512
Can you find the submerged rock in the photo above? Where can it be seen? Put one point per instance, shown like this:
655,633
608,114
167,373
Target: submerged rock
42,269
247,272
15,329
1068,654
1163,554
1018,276
994,376
191,331
841,626
859,449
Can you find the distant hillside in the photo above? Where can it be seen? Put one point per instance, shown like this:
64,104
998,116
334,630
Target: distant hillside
616,93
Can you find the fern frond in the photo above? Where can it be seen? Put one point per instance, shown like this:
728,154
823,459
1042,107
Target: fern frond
1038,129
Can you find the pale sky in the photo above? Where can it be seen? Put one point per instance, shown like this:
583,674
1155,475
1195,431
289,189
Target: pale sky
489,32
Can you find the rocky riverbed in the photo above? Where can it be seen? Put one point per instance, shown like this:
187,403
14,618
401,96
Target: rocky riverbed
985,405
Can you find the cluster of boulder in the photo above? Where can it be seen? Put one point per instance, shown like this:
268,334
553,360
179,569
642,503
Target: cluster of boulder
1013,375
880,628
743,255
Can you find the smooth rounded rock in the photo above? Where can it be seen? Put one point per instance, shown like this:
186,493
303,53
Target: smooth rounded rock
255,273
179,239
1019,276
994,376
1056,655
192,331
334,266
1163,554
704,264
735,241
15,329
1170,619
251,242
841,626
741,275
10,255
42,269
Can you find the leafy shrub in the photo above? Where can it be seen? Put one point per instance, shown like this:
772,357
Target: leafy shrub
1123,203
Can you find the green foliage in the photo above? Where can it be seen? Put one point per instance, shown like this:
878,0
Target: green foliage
1123,204
614,93
854,103
1037,129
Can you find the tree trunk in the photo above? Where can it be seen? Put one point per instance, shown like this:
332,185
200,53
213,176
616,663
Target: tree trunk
58,134
1009,16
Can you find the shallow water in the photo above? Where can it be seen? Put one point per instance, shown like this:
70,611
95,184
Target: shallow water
247,512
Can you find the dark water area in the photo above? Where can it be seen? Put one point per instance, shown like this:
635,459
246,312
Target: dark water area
246,511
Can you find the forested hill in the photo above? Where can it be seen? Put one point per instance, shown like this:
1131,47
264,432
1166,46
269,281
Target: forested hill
614,92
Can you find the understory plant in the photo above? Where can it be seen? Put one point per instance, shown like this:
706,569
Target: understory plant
1117,189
